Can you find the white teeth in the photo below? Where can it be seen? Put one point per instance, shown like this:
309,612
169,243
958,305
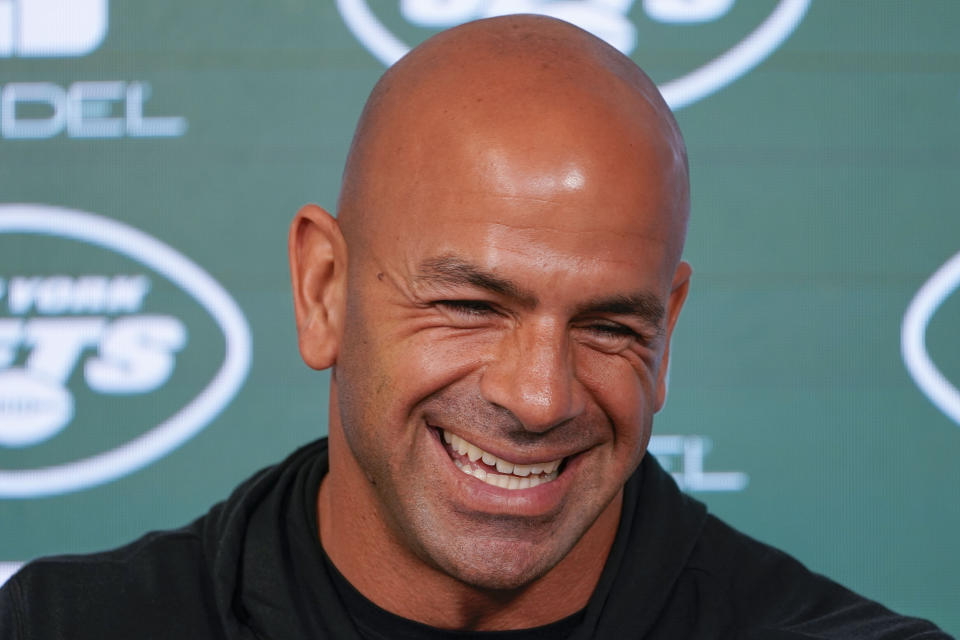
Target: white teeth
506,482
510,476
459,444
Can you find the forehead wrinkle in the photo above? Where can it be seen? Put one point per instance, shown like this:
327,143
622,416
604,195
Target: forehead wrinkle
581,260
552,226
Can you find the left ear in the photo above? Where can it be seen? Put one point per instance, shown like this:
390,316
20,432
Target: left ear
678,294
318,273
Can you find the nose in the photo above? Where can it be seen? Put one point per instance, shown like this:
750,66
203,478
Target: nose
533,377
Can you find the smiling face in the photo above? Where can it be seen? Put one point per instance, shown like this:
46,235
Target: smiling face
533,339
511,289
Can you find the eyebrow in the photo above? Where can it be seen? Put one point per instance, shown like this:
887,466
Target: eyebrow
450,270
453,271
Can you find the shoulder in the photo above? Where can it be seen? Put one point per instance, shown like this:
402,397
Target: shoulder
171,584
773,595
123,593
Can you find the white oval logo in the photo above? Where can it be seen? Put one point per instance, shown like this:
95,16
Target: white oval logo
33,407
604,18
913,346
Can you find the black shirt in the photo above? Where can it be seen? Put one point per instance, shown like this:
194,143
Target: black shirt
374,623
253,568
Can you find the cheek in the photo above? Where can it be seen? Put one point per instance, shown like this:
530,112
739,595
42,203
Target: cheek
364,383
429,360
390,362
624,388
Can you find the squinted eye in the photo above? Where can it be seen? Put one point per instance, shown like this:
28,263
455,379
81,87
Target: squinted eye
613,331
470,308
609,336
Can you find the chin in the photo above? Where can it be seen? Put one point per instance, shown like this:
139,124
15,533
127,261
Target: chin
507,577
500,566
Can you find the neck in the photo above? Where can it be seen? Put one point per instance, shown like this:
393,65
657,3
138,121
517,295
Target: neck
360,542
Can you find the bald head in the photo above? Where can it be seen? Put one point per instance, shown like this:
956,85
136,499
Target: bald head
504,103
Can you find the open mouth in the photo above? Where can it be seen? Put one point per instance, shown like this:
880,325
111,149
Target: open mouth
486,467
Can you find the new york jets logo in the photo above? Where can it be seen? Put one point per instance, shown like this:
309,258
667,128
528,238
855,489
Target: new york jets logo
627,25
913,338
114,350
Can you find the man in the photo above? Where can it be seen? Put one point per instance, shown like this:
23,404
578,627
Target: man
496,298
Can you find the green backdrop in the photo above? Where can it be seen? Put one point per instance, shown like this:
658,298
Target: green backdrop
153,153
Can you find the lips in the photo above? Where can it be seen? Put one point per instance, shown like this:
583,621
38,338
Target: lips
493,470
